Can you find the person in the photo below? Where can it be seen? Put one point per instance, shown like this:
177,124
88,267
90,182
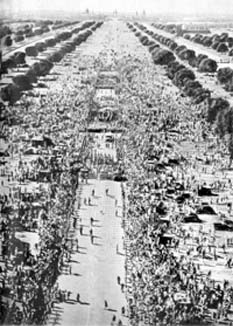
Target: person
78,297
91,221
81,230
89,201
93,192
116,213
74,222
106,191
77,246
105,304
118,280
123,310
91,232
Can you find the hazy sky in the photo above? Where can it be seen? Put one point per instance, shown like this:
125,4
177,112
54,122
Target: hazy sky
151,6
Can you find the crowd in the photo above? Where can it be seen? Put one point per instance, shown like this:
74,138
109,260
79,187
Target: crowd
166,284
168,153
44,148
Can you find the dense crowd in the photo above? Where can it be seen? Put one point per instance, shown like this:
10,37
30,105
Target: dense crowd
43,150
166,284
165,147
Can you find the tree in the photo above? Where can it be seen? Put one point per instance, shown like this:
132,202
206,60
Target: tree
183,75
18,38
187,54
191,86
215,45
40,46
225,75
42,67
9,63
153,46
19,57
222,47
208,65
173,67
207,41
144,40
50,42
230,42
187,36
163,57
180,48
223,37
8,41
173,45
216,106
31,51
22,81
200,57
201,95
31,75
56,56
10,93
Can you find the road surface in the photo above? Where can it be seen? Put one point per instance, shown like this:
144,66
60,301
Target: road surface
95,267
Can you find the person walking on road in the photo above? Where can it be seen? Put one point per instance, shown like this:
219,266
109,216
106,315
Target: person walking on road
93,192
91,221
74,222
105,304
81,230
106,191
78,297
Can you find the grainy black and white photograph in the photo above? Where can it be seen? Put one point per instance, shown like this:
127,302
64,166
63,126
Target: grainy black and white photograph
116,162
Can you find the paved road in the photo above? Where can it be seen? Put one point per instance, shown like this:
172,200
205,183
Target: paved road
96,267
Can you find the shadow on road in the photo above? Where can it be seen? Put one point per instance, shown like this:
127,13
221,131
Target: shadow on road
112,310
84,303
77,274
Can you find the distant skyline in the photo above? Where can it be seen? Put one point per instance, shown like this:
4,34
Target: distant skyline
187,7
